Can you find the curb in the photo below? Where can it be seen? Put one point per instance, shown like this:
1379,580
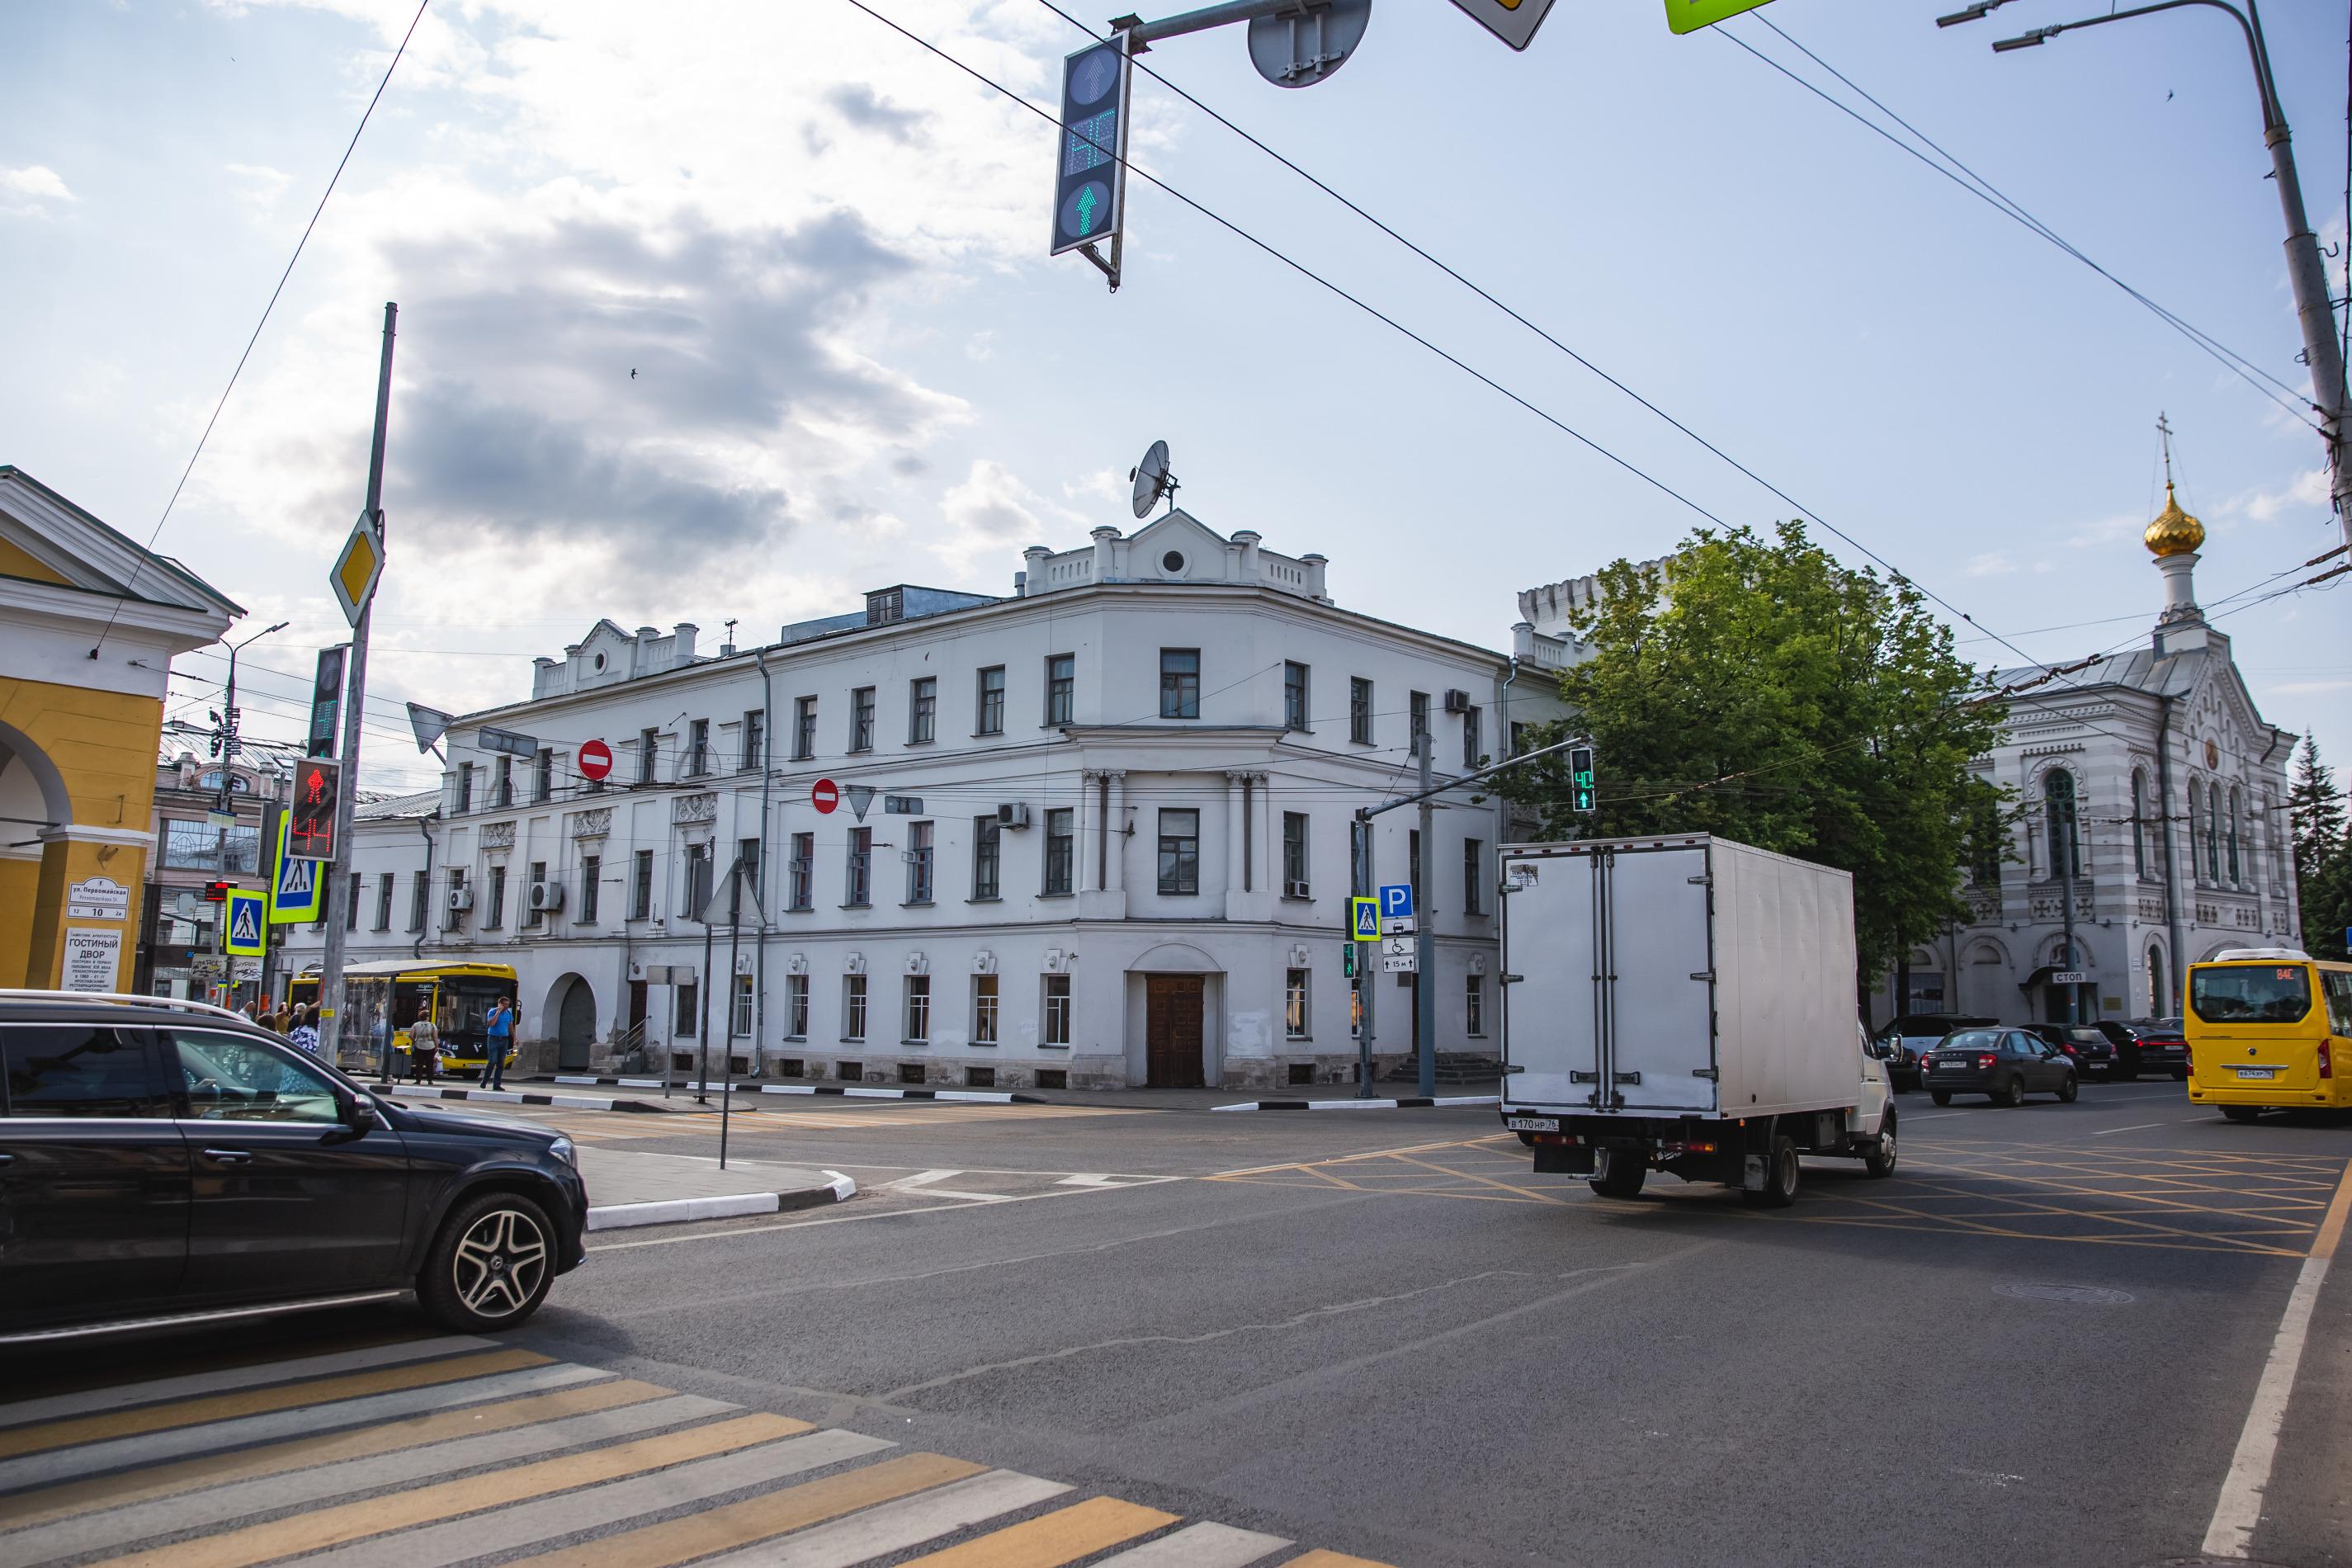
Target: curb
1407,1102
967,1096
727,1205
518,1097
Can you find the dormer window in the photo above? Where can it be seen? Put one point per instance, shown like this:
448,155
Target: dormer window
599,663
884,606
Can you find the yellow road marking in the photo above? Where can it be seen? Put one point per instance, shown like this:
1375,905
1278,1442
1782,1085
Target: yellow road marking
1331,1560
302,1453
2331,1229
1063,1536
257,1401
760,1518
328,1527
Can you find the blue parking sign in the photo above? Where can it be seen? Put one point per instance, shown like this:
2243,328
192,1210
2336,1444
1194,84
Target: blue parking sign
1396,900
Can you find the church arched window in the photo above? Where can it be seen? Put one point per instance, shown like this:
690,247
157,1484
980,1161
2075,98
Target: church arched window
2058,817
2196,824
2140,826
2235,877
2213,834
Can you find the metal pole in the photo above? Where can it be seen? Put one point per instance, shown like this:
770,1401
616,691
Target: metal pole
727,1056
1425,920
2061,845
702,1088
1142,34
1359,836
339,893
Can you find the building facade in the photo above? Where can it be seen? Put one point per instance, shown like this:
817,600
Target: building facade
191,850
1097,833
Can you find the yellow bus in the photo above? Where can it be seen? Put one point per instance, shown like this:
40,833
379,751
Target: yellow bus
2269,1028
384,999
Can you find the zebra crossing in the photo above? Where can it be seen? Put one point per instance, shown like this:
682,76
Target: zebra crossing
434,1453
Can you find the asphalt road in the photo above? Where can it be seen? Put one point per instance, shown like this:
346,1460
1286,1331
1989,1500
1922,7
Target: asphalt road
1379,1333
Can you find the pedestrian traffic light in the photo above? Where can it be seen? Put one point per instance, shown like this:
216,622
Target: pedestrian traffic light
1348,961
1580,777
1086,173
217,892
311,820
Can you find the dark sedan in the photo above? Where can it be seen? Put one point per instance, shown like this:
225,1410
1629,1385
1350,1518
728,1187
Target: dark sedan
2003,1065
167,1163
2149,1045
2086,1047
1913,1035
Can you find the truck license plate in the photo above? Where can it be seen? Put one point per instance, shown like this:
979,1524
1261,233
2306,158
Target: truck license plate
2258,1072
1532,1123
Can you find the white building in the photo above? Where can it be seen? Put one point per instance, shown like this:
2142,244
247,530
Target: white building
1107,843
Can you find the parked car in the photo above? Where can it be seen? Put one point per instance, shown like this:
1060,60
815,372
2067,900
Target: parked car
2149,1045
2002,1065
2084,1045
169,1162
1912,1035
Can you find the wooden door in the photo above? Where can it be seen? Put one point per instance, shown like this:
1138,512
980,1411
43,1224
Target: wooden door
637,1002
1172,1031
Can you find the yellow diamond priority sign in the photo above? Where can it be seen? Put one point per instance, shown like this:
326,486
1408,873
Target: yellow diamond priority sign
357,569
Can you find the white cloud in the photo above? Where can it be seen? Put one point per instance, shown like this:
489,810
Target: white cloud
2308,489
24,191
1992,564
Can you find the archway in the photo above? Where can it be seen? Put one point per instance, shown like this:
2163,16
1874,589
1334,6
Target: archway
34,807
575,1023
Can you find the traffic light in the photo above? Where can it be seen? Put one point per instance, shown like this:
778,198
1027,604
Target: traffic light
217,892
1347,960
1580,777
1087,182
311,819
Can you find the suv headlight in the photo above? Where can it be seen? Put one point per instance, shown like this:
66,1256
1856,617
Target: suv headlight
563,1150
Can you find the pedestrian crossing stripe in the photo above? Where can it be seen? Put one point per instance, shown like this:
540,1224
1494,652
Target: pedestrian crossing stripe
246,911
541,1464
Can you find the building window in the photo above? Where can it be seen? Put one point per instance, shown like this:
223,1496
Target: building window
2212,832
1474,1004
1359,710
465,788
198,846
987,846
698,747
853,1009
919,862
495,916
1061,689
2159,1000
531,914
1057,1010
923,711
2196,820
2233,834
419,891
383,903
689,1002
542,774
1294,1005
1061,848
592,869
1179,683
1474,876
352,904
1471,754
918,1009
803,870
983,1009
2139,823
803,729
988,706
641,887
796,1007
857,885
1517,739
747,854
861,720
648,743
698,882
1294,695
502,783
755,739
1294,854
1180,852
2058,820
1418,702
739,1016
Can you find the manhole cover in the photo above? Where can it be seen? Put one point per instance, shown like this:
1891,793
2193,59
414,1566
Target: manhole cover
2078,1295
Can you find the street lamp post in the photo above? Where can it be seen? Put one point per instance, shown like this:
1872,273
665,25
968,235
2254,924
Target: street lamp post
2321,351
225,741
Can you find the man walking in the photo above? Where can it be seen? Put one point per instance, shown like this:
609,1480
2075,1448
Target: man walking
501,1032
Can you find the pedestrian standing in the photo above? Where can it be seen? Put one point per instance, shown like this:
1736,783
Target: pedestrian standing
424,1049
501,1035
304,1035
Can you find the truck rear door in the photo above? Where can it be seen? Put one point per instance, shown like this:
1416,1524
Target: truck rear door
1550,1006
1660,1044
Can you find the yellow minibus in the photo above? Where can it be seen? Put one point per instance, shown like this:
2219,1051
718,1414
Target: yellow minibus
2269,1028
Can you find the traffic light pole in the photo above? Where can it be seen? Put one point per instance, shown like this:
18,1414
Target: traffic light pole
339,890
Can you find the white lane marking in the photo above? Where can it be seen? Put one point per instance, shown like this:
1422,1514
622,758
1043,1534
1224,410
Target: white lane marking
925,1178
92,1401
895,1527
1935,1115
2135,1127
1201,1546
927,1184
2240,1507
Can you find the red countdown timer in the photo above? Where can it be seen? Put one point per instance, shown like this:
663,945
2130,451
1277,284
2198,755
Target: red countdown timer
311,820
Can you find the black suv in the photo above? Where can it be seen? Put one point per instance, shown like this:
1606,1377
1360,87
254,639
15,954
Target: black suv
166,1162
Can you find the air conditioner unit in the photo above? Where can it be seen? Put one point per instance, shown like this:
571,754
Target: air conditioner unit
1457,702
1013,813
461,900
546,896
1295,890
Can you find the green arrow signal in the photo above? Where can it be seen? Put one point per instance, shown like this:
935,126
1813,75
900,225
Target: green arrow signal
1087,210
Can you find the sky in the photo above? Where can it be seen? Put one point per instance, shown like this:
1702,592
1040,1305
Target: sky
821,250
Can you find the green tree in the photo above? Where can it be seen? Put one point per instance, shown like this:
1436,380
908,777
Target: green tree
1756,689
2323,853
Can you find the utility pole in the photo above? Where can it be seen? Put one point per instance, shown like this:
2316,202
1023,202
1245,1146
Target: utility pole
338,891
2304,270
2062,850
1425,922
1360,885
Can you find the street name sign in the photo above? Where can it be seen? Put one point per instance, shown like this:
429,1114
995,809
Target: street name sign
1514,21
98,899
1690,15
506,741
358,568
1364,918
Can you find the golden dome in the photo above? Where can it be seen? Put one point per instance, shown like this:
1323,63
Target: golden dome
2174,532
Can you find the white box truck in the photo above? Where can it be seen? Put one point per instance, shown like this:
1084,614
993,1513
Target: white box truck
1685,1004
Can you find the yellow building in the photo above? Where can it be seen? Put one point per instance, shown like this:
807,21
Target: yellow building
89,622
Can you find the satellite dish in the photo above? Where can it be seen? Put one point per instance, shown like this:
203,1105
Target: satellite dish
1305,44
1152,479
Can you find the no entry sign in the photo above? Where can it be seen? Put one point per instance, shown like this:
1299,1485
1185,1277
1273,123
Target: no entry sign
825,795
595,760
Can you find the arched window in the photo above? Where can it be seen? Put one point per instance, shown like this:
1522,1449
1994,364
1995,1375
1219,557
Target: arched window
2196,820
2058,814
2274,826
2139,829
2235,877
2159,1000
2213,834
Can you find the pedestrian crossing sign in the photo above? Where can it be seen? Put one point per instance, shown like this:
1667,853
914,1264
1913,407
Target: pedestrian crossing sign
1364,918
293,886
243,914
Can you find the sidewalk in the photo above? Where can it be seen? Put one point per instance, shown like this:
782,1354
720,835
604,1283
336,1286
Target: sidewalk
631,1189
748,1094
